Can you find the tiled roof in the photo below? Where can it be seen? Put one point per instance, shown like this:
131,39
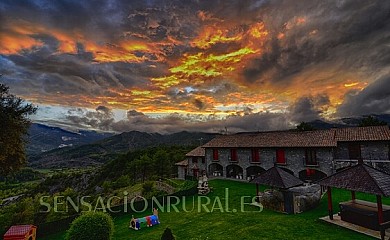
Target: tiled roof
276,177
360,178
197,152
182,163
316,138
372,133
19,230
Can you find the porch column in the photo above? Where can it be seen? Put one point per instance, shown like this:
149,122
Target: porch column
380,209
330,206
353,195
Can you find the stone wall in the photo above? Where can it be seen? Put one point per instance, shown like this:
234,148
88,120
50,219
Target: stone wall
181,172
293,200
378,150
371,152
295,159
201,165
306,197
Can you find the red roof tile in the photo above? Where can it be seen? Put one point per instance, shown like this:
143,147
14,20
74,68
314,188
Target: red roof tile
372,133
182,163
197,152
318,138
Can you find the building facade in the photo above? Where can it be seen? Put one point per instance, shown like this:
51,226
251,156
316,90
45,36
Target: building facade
194,165
309,155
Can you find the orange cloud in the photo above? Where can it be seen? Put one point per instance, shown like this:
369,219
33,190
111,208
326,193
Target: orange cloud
211,35
14,44
20,36
201,66
348,85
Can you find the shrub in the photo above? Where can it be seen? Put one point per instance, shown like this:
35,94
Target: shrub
167,235
92,225
147,188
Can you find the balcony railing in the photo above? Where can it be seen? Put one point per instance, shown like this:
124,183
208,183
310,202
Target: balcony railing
364,160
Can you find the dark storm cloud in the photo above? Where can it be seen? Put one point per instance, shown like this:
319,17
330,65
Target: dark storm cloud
199,104
341,33
47,71
101,118
133,113
373,99
137,121
104,109
340,36
308,108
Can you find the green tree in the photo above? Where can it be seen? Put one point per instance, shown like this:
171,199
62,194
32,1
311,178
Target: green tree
147,167
161,157
14,113
304,126
92,225
167,235
371,121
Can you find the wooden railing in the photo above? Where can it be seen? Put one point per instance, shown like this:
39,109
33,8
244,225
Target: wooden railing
383,227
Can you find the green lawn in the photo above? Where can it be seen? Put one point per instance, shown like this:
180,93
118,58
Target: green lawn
239,225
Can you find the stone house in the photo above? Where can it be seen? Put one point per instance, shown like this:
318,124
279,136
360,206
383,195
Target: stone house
309,155
194,165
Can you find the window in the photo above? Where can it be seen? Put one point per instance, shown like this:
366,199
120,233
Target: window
194,160
203,160
354,151
215,154
233,155
255,155
280,156
310,156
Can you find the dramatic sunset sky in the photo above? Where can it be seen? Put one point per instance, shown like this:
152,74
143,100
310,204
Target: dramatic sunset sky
171,65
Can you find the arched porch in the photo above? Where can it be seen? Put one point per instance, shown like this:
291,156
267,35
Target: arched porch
311,175
215,169
253,171
234,171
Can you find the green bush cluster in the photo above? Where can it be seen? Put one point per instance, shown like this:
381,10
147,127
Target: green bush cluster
92,225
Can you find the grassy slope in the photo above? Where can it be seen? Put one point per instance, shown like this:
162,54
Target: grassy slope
239,225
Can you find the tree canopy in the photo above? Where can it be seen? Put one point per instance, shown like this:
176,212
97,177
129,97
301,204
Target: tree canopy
371,121
14,113
304,126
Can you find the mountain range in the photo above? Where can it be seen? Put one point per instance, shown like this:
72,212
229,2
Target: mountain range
53,147
101,151
42,138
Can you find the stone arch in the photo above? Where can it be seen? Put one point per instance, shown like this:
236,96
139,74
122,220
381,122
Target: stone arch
311,175
215,169
234,171
253,171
